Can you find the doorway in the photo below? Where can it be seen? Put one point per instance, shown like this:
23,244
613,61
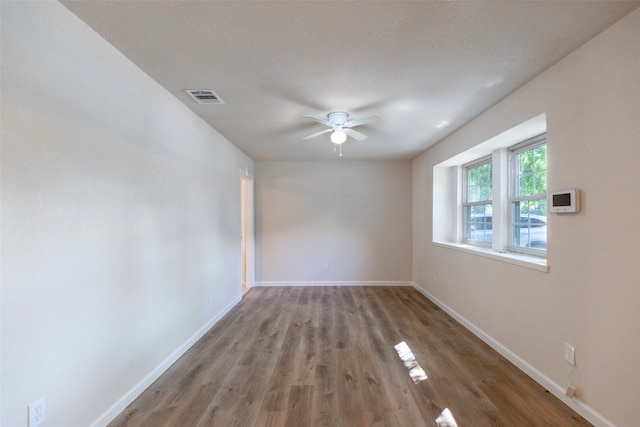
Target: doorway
246,232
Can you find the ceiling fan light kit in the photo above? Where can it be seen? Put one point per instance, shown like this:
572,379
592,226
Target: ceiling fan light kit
340,127
338,136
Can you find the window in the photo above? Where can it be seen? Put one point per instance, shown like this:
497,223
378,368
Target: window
528,197
522,227
490,199
477,199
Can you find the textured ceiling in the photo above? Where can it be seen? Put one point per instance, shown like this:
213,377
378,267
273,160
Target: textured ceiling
426,67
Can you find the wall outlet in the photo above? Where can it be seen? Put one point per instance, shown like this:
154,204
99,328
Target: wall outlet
37,412
569,354
325,267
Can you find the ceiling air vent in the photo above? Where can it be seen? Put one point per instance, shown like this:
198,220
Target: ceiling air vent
204,96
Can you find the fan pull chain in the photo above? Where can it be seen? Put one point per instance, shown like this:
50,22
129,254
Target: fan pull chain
340,150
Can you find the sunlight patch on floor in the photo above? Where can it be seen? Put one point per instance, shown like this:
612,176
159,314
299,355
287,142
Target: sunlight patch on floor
415,370
445,419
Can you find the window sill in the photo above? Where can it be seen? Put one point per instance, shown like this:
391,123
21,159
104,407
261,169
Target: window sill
527,261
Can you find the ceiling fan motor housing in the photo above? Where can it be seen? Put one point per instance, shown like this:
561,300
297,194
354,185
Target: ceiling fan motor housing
338,118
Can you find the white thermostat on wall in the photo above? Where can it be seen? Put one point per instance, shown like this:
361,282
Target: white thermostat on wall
564,201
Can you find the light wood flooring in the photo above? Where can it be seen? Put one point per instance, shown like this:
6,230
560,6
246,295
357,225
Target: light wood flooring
325,356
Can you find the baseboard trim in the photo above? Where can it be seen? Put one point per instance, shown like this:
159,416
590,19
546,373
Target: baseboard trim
132,394
326,283
554,388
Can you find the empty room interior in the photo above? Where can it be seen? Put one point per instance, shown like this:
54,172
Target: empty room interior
319,213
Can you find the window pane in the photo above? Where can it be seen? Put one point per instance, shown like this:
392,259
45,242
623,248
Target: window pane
530,224
525,183
540,157
531,173
525,161
485,191
478,223
473,176
540,182
477,217
474,193
479,183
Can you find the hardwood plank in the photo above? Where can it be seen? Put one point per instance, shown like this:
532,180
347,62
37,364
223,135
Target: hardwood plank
351,410
325,397
278,388
300,406
324,356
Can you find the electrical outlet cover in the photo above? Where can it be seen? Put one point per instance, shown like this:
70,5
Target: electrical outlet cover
37,412
569,354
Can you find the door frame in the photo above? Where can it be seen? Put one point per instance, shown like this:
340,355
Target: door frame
247,230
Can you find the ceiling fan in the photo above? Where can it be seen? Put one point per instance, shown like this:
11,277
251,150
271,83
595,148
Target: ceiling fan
339,124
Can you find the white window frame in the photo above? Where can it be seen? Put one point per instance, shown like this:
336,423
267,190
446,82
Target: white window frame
527,145
466,203
503,161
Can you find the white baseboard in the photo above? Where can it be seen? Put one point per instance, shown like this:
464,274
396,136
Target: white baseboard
580,407
132,394
321,283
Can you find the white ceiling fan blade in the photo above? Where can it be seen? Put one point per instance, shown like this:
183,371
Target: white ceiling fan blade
317,119
362,120
354,134
313,135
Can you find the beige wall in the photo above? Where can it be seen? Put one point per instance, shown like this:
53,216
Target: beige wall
591,295
353,215
120,214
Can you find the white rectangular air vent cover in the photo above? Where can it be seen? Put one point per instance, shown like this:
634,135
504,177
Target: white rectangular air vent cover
204,96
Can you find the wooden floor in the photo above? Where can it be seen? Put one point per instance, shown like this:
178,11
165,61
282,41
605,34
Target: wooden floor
325,356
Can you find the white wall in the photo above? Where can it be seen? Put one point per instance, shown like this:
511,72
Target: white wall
591,295
353,215
120,214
